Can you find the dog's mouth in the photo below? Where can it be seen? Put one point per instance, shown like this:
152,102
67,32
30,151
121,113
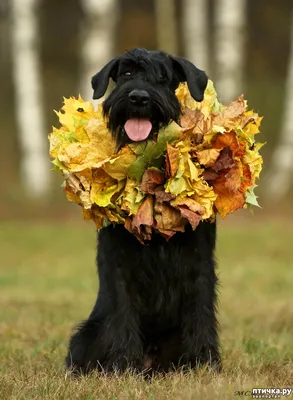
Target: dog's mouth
138,129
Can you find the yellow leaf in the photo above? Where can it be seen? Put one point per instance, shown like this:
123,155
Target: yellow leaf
130,186
208,157
117,166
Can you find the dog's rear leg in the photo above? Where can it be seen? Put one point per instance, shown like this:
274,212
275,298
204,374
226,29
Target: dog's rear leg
199,324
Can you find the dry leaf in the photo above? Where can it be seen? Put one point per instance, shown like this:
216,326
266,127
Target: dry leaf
211,163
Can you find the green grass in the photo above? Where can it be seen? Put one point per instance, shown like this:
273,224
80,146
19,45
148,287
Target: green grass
48,283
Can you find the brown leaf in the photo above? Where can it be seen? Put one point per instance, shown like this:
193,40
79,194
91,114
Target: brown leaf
145,214
210,175
189,203
192,217
203,126
230,197
168,218
167,234
161,195
172,161
151,179
231,114
190,118
207,157
233,180
144,233
225,160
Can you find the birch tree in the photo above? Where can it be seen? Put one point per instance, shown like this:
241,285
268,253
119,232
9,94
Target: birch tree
230,18
280,176
97,40
34,160
166,26
195,32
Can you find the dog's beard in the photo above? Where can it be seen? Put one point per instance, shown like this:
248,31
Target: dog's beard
161,110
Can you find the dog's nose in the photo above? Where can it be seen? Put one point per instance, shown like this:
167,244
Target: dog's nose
139,97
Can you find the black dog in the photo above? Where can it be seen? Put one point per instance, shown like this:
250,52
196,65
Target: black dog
156,303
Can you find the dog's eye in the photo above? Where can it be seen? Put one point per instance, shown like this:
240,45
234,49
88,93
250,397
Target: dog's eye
127,73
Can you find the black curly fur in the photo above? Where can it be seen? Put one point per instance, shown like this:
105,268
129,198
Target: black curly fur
156,306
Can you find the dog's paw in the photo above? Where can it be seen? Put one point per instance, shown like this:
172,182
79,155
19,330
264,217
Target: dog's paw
205,356
121,363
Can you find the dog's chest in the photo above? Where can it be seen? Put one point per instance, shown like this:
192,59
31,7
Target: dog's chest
157,281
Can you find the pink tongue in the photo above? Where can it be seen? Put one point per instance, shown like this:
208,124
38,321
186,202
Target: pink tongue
137,129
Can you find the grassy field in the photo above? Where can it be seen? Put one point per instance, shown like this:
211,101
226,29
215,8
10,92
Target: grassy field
48,283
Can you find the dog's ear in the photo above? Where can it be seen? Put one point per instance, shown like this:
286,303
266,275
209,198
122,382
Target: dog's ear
100,81
196,79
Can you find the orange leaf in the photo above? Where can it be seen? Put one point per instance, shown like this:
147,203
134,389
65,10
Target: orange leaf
229,139
246,178
172,161
230,197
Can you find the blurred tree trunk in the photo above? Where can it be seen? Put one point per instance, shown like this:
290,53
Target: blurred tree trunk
97,39
34,162
230,16
195,32
280,177
167,40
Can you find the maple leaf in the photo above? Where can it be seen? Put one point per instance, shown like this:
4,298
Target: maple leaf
168,218
208,163
132,197
151,153
225,160
189,203
145,214
152,178
192,217
93,148
208,157
231,115
229,196
172,161
143,234
117,167
210,174
162,196
251,198
190,118
254,160
228,139
209,104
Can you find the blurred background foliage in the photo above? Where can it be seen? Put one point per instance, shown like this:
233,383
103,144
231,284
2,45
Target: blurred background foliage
267,49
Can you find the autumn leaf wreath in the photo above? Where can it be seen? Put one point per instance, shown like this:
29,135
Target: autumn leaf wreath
189,172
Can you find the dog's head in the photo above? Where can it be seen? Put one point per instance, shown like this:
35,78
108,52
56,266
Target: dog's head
144,98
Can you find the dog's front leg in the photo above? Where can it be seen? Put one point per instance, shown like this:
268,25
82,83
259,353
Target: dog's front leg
199,324
122,337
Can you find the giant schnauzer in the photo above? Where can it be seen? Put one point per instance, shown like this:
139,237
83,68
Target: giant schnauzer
156,303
